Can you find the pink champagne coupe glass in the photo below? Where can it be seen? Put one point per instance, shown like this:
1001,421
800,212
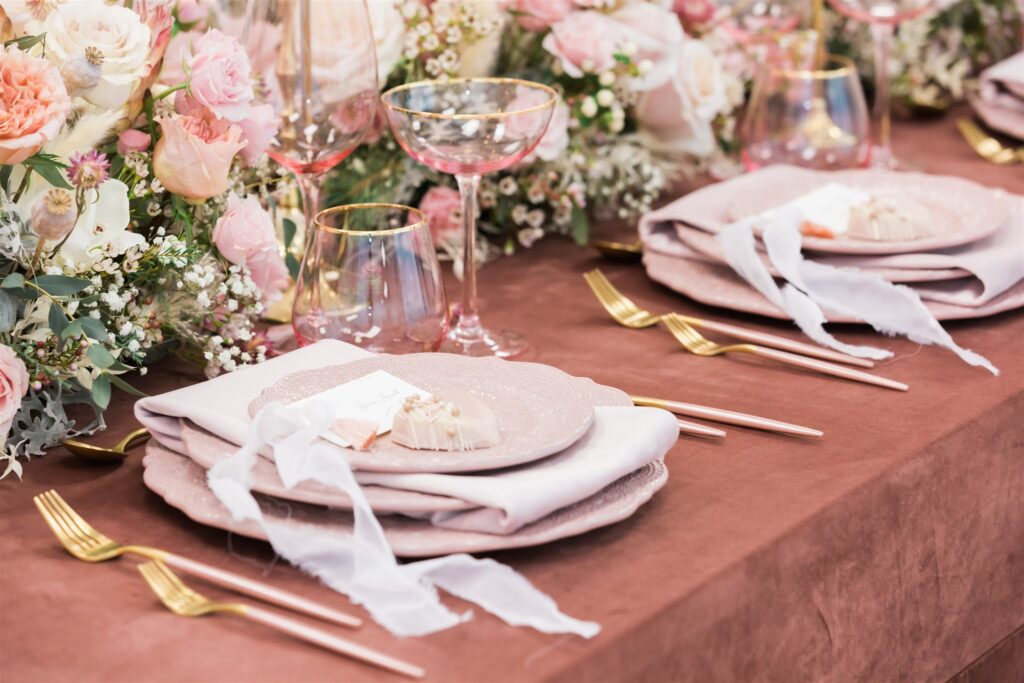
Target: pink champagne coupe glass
468,127
315,63
882,15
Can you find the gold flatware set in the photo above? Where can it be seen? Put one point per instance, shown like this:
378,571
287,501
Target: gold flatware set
86,543
987,146
115,453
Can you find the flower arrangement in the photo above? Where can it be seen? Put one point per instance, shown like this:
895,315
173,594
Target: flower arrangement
130,220
651,90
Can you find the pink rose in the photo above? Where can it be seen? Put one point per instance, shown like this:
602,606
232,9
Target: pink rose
584,42
245,236
694,12
177,55
443,208
191,11
537,15
221,77
658,37
555,139
194,155
132,140
258,129
13,385
34,103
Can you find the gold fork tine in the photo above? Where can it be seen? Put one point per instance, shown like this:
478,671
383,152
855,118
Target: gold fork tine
62,527
181,599
84,529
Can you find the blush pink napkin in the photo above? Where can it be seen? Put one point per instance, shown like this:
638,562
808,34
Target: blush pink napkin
1000,98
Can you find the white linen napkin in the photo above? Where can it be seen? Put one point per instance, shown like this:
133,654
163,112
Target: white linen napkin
1002,84
620,441
402,598
890,309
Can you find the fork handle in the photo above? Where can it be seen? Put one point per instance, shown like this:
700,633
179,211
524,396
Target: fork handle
765,339
826,368
260,591
331,642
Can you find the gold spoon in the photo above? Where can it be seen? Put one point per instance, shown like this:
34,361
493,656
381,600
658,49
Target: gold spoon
619,250
117,453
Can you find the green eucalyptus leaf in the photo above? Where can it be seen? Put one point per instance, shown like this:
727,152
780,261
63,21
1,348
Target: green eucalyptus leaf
580,225
13,281
289,228
57,320
101,390
25,43
293,265
52,175
125,387
93,328
100,357
72,330
61,285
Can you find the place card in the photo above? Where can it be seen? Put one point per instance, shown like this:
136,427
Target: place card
374,398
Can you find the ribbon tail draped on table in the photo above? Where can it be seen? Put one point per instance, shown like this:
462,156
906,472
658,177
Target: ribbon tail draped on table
402,598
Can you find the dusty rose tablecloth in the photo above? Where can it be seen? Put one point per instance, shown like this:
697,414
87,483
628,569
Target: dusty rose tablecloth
891,550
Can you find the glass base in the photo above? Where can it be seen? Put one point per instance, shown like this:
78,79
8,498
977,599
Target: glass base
485,344
882,158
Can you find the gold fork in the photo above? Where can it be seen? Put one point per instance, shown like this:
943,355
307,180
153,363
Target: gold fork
627,313
697,344
987,146
83,541
182,600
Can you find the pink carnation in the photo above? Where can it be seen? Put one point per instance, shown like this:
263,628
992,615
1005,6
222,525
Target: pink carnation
13,386
221,77
537,15
584,42
34,103
443,208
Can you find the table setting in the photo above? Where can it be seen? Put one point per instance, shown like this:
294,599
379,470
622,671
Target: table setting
511,341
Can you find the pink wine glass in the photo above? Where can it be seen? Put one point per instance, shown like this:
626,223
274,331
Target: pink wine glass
315,63
468,127
882,15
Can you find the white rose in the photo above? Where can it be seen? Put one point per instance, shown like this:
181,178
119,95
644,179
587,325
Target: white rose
116,31
676,117
102,229
388,35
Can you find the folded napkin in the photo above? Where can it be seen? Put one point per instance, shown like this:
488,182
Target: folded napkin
1002,84
620,441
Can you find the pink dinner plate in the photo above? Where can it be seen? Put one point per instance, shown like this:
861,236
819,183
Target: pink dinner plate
182,484
717,285
961,211
206,450
540,409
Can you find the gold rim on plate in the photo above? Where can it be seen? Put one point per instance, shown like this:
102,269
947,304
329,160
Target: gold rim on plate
421,219
455,81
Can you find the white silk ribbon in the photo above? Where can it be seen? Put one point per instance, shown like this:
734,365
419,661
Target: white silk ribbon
401,597
888,308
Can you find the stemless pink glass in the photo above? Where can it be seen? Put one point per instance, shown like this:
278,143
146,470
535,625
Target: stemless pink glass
370,277
882,15
315,63
468,127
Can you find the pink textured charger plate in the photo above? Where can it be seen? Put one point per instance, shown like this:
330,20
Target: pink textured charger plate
707,244
540,409
206,450
182,484
718,285
961,211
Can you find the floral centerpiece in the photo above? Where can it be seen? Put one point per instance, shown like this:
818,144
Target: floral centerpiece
130,223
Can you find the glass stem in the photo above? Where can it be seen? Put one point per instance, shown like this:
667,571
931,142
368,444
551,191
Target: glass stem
468,327
882,34
309,186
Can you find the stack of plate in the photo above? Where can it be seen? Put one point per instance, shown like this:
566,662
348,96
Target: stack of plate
969,265
541,411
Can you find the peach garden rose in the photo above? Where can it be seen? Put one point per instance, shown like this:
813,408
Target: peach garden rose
34,103
13,385
194,155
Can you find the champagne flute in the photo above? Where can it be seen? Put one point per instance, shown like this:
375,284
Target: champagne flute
882,15
314,62
469,127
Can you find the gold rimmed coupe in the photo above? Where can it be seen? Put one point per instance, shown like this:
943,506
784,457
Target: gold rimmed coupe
321,224
384,98
469,127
